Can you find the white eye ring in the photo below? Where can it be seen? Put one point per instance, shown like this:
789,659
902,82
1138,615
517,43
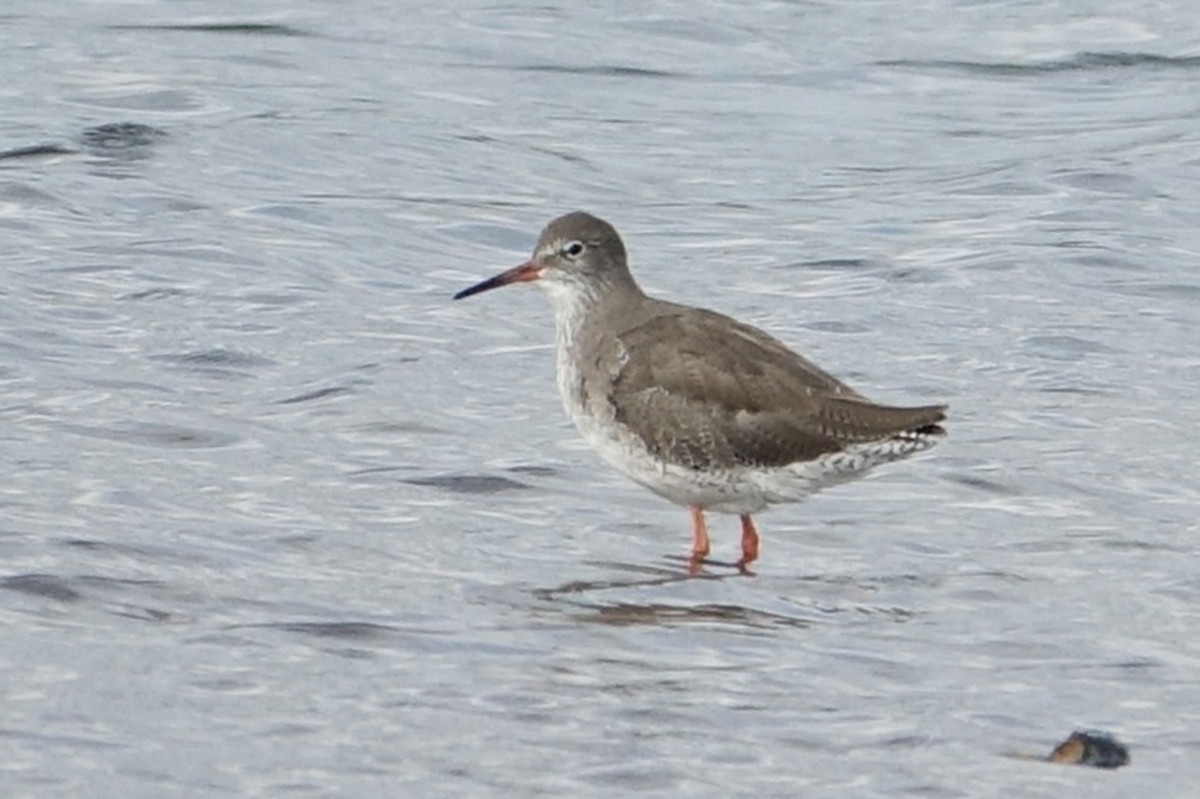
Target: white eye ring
573,249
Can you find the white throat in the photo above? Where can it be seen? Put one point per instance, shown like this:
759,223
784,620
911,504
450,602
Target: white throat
573,303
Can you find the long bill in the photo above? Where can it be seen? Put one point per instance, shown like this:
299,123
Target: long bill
518,274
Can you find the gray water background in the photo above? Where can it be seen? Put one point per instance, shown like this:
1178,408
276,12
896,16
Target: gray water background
279,519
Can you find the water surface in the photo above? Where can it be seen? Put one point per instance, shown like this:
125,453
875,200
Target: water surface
282,520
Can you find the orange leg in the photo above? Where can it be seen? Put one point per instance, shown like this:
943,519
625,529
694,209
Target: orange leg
700,544
749,542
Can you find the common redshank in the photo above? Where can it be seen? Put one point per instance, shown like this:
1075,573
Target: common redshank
706,411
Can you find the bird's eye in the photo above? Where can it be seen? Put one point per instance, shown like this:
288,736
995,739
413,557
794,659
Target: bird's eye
573,250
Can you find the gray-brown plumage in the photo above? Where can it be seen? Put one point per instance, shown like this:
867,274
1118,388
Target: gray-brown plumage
707,411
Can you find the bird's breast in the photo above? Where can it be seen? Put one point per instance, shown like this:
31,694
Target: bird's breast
582,394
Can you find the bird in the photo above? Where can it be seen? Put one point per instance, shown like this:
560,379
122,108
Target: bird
708,412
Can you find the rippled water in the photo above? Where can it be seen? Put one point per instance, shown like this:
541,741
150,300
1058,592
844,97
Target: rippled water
282,520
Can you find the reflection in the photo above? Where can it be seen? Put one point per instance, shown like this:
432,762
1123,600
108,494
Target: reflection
654,576
622,614
578,599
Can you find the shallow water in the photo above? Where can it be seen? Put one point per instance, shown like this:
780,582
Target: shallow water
281,519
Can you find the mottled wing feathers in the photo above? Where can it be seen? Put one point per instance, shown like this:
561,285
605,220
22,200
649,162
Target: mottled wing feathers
706,391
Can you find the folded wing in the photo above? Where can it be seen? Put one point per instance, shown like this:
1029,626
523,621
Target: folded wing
706,391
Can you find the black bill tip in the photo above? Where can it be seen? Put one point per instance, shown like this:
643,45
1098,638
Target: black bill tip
490,283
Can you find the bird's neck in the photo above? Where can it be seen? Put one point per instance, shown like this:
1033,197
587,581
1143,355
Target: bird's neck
580,309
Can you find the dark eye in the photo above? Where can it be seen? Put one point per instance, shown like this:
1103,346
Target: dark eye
573,250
